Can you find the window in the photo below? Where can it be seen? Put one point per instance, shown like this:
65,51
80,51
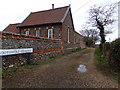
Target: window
27,32
37,33
50,33
68,35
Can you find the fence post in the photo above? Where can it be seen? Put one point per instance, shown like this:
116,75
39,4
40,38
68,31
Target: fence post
28,58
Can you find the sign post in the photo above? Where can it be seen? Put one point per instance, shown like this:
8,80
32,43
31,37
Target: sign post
28,58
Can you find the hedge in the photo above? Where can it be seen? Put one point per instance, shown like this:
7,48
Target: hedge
111,52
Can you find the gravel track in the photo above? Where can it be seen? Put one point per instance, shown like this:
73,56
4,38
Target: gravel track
62,73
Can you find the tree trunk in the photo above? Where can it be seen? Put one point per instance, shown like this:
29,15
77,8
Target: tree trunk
102,35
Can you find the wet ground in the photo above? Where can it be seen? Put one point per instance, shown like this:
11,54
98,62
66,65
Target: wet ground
63,73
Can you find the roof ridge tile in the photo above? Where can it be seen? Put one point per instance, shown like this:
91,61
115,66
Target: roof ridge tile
49,9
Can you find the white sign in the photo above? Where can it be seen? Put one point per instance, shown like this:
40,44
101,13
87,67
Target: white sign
4,52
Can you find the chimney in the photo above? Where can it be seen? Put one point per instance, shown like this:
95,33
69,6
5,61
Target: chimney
52,6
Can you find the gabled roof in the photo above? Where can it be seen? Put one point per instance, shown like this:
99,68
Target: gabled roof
12,28
45,17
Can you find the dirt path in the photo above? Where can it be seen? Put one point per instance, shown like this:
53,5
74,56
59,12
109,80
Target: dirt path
63,74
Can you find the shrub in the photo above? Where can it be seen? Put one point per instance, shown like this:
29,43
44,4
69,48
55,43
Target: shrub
115,54
111,51
115,49
103,65
107,46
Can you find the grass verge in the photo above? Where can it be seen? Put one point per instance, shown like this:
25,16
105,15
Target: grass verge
104,66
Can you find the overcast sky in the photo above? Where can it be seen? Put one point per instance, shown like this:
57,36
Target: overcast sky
15,11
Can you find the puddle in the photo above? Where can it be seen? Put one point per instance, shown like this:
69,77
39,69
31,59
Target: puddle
81,68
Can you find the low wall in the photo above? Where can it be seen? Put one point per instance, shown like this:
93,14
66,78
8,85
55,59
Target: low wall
43,48
71,46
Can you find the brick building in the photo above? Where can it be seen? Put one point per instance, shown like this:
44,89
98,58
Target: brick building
56,23
48,33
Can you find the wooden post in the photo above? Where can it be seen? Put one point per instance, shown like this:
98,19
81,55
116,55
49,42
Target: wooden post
28,58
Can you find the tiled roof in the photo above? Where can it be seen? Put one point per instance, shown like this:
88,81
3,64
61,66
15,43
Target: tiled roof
45,17
12,28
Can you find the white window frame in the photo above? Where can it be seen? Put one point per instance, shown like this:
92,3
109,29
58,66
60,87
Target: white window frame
50,34
37,33
27,32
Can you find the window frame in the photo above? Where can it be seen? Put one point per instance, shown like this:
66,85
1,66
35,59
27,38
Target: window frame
50,34
27,32
68,31
37,34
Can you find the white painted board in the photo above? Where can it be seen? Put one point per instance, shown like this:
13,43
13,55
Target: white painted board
4,52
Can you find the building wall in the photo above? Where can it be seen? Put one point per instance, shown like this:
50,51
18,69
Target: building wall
43,30
67,25
64,31
72,39
78,39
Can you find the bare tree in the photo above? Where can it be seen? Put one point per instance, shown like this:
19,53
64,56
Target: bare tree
101,17
91,35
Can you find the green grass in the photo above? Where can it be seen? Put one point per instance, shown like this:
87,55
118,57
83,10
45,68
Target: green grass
99,55
104,66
